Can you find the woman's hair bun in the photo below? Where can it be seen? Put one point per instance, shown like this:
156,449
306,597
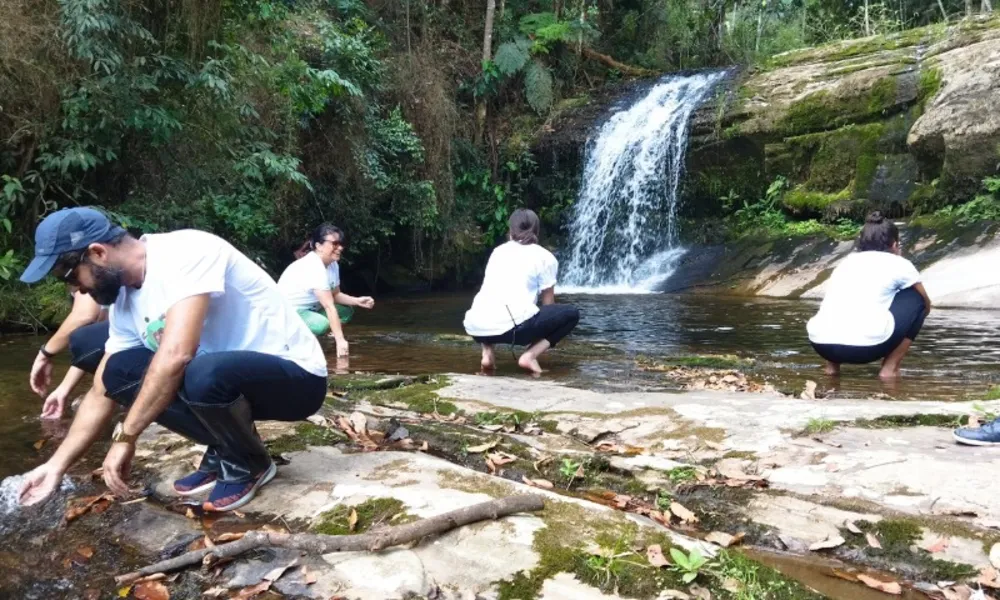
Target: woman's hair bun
875,218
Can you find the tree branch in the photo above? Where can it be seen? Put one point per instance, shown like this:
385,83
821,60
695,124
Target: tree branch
372,541
614,64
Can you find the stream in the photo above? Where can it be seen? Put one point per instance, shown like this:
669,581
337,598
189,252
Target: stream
956,357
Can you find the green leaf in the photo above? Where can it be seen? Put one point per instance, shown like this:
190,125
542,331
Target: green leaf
689,577
510,58
538,87
679,557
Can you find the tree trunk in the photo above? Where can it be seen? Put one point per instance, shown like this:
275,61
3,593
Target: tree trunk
614,64
944,13
868,23
986,7
968,9
760,24
491,9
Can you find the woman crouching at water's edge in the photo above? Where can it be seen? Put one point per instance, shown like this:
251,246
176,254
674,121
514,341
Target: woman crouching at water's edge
874,304
505,311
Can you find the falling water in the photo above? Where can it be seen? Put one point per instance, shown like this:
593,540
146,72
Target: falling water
623,237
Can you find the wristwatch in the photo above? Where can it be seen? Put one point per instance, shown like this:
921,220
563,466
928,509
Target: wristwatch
46,353
119,435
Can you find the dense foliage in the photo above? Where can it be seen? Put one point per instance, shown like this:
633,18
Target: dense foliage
396,119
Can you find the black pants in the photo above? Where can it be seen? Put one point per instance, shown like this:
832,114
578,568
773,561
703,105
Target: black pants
908,311
276,389
86,345
553,322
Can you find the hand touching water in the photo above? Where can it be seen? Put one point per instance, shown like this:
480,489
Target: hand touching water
39,484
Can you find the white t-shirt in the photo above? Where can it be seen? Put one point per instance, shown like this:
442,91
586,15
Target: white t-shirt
305,275
855,309
246,310
515,275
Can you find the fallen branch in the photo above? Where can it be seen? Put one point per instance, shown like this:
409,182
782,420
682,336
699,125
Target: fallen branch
620,66
372,541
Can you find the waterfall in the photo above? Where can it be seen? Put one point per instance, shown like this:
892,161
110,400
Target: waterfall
623,234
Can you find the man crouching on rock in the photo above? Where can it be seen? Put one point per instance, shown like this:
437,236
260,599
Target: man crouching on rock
201,342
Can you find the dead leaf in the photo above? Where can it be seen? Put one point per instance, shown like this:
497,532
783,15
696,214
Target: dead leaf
483,447
723,539
682,513
701,593
621,500
190,514
974,422
889,587
654,554
216,592
153,577
873,541
580,472
714,445
352,521
673,595
939,546
230,537
830,542
501,458
844,575
538,483
732,585
809,393
989,577
359,422
276,573
308,576
319,420
239,515
492,468
852,527
252,591
491,428
82,506
424,447
86,552
151,590
40,444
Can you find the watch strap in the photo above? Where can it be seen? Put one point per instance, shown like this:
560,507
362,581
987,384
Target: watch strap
45,352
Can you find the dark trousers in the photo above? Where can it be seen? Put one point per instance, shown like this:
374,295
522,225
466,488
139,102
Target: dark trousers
86,345
553,322
274,389
908,311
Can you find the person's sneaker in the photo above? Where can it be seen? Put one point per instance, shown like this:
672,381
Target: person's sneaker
230,496
986,435
195,483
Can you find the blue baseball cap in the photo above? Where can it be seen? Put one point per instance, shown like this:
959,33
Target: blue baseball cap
64,231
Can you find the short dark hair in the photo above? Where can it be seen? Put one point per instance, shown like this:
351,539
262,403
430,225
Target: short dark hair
319,234
524,226
879,233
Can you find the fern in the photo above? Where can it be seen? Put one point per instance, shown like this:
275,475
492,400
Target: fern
530,24
511,57
538,87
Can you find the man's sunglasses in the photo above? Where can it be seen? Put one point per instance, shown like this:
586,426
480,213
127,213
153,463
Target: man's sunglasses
67,265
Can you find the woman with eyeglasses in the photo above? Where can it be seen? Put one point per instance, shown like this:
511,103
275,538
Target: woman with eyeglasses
312,285
505,311
874,304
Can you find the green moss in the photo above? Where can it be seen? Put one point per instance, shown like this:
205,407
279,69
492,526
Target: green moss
306,434
928,85
759,582
918,420
806,202
898,538
517,419
815,426
418,397
376,511
740,454
821,111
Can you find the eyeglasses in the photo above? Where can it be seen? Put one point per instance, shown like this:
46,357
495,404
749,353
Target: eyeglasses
68,265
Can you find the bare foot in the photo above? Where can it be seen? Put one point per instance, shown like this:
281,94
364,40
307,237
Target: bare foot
832,369
489,360
888,373
529,362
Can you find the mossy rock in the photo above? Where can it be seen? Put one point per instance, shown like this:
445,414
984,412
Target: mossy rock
306,435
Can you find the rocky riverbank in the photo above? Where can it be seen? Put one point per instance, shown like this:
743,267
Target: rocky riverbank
866,490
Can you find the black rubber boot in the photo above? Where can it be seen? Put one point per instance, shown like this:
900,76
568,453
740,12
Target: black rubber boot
243,455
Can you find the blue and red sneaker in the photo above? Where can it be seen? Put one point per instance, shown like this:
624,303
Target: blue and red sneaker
230,496
195,483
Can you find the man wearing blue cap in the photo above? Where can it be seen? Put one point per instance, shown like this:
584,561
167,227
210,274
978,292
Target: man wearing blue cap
201,342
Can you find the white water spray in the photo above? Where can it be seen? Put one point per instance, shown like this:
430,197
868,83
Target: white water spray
623,237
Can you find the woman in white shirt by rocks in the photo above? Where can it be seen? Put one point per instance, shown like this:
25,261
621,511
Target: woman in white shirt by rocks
874,305
505,311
